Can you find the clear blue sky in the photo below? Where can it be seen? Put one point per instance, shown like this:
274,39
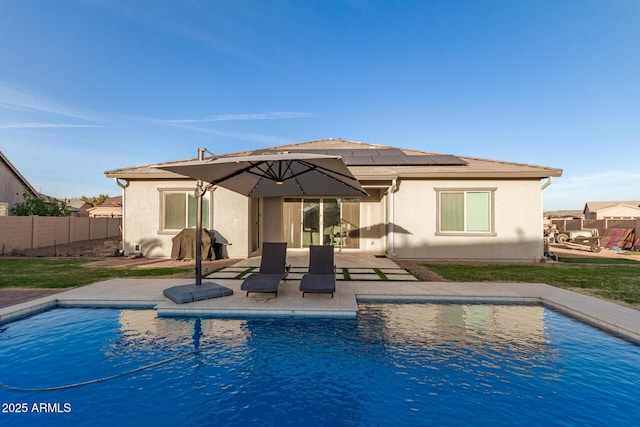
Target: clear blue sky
92,85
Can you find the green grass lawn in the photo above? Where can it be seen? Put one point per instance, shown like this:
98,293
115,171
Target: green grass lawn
608,279
613,279
68,273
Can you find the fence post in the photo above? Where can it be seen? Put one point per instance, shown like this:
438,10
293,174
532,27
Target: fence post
33,231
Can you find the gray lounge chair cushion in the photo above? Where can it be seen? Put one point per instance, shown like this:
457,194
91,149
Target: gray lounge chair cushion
322,274
273,269
318,283
259,282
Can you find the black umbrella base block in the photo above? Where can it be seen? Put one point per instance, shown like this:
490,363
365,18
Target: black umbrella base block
189,293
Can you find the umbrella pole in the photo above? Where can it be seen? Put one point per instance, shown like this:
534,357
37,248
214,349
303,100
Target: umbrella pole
199,195
199,235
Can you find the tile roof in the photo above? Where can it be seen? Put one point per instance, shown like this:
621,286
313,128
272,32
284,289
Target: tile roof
596,206
111,202
431,165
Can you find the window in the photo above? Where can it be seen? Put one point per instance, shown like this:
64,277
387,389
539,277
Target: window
4,209
465,211
179,210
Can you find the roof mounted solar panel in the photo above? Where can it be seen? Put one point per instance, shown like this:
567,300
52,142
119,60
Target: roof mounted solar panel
436,160
357,160
382,157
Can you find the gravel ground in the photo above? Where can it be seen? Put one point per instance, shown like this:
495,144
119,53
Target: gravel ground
85,248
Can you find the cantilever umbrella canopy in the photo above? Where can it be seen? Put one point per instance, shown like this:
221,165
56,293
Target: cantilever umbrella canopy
259,175
274,174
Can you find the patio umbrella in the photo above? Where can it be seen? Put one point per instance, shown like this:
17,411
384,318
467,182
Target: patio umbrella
272,175
266,175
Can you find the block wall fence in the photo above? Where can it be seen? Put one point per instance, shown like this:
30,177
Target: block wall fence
33,232
601,224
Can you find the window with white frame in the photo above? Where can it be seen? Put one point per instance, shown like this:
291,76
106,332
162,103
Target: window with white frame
4,209
179,209
465,211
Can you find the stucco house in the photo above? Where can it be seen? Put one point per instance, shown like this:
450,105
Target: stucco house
612,210
420,205
111,207
78,207
12,186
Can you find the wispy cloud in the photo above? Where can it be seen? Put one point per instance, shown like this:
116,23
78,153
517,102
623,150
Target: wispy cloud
616,177
35,125
222,31
192,124
573,191
17,100
273,115
243,136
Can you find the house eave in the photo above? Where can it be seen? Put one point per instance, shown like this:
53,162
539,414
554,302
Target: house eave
145,175
457,174
164,175
479,175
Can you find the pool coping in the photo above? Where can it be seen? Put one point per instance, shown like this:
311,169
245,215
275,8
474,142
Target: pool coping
613,318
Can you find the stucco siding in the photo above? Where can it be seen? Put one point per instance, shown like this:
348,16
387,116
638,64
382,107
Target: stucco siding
229,218
372,222
517,219
142,217
618,211
11,188
272,220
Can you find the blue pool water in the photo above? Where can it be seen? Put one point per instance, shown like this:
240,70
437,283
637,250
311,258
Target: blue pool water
396,364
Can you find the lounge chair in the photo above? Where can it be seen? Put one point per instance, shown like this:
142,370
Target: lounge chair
273,269
321,278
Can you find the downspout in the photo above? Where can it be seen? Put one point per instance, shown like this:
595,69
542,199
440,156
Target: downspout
123,186
392,236
545,248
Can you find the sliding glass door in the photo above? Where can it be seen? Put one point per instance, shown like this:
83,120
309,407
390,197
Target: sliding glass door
310,223
329,221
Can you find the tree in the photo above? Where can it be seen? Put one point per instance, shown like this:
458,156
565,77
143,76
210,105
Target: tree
95,200
39,206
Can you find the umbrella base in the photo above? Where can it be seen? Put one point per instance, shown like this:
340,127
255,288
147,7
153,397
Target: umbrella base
189,293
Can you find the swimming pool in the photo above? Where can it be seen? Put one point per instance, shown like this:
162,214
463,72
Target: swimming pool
396,364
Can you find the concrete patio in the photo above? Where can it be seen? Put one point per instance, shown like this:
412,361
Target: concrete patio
148,293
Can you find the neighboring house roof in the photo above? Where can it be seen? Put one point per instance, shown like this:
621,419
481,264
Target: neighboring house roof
110,207
384,162
76,204
18,175
598,206
111,202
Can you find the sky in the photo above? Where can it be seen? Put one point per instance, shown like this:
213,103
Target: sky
93,85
